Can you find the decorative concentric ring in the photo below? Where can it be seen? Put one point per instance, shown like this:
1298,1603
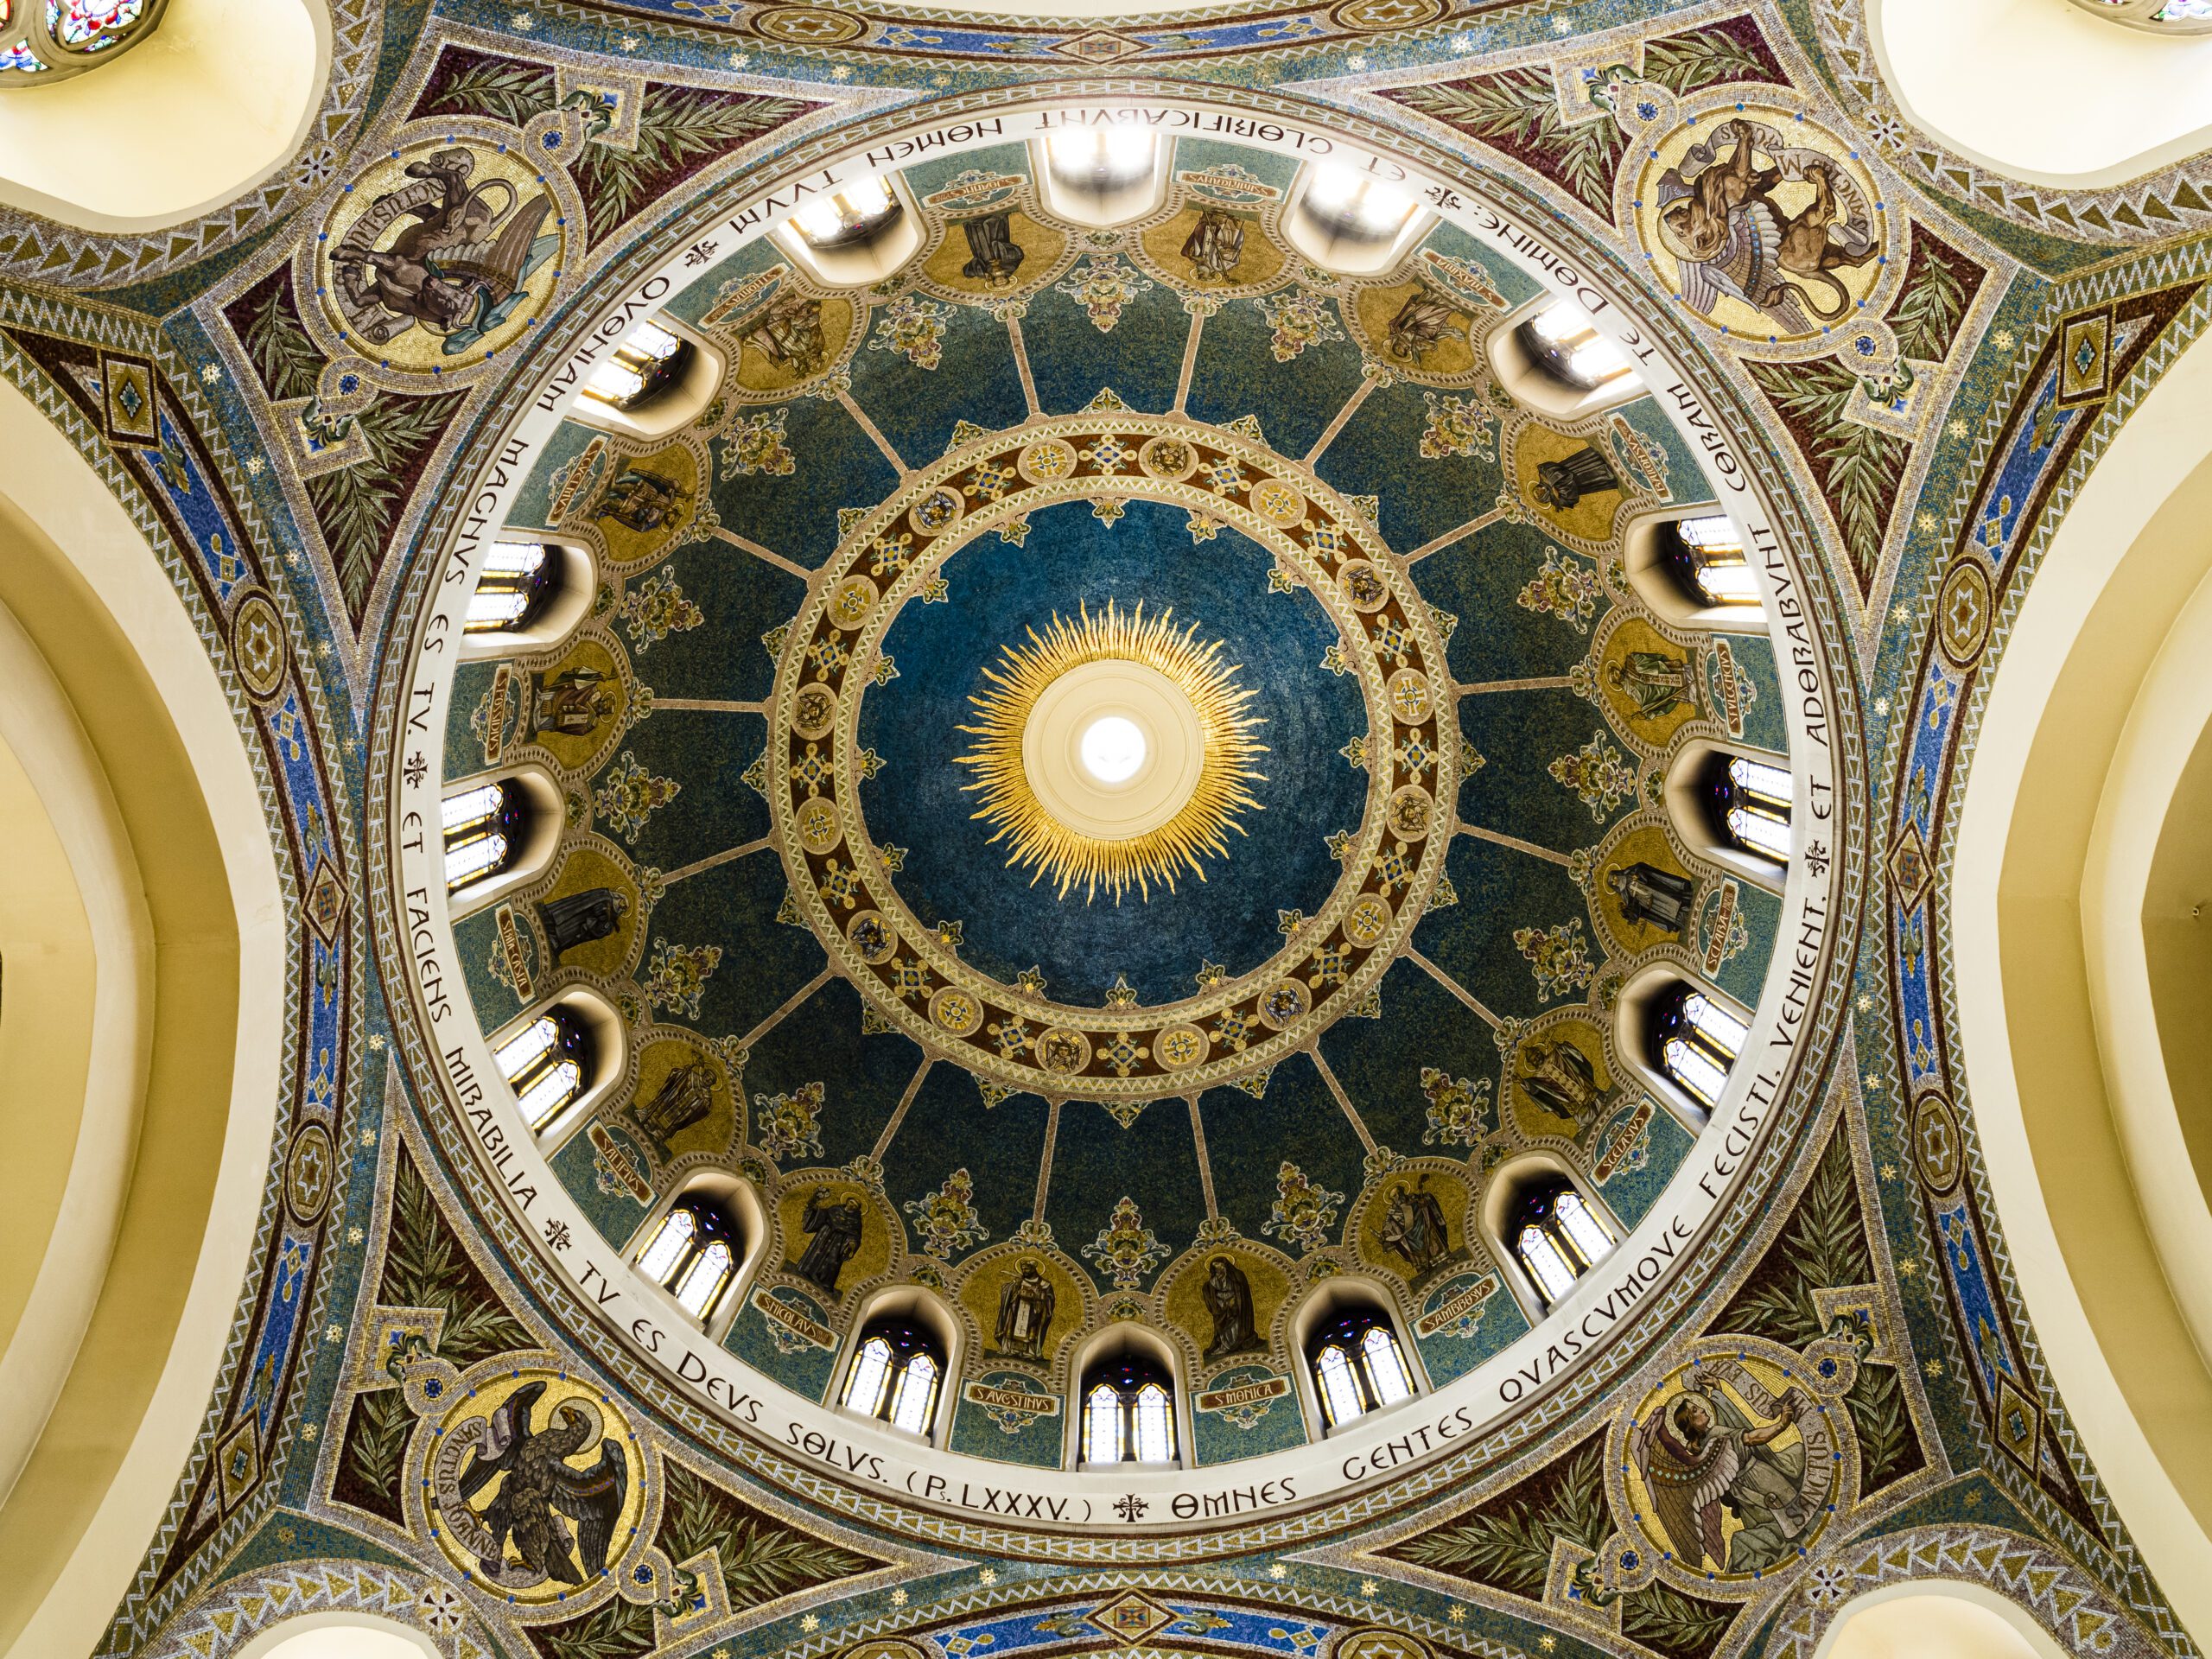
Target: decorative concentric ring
1237,1024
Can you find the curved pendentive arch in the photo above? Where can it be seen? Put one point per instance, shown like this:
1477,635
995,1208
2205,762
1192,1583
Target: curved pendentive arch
2071,101
1491,1372
112,1359
2099,1180
340,1635
1339,1297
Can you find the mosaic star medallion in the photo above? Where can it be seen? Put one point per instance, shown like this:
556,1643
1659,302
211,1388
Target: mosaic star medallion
1005,782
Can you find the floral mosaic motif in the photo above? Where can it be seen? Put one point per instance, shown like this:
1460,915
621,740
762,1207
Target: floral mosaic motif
1299,318
755,445
1597,774
790,1125
1125,1247
1563,587
913,327
1457,426
945,1220
656,607
1102,285
1560,957
677,977
1458,1111
1304,1212
628,795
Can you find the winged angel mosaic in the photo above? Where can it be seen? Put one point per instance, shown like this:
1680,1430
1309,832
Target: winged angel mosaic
1737,1476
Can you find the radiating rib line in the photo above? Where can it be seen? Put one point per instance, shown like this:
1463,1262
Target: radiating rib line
1517,844
1452,986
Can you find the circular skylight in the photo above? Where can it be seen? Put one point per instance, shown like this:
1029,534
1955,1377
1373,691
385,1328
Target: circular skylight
1112,749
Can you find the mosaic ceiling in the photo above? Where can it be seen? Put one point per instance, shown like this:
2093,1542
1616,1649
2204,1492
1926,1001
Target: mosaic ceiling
1353,983
850,960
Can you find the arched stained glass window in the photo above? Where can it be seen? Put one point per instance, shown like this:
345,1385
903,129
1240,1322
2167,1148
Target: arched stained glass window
1386,1366
1351,206
861,210
1694,1039
482,830
1750,806
693,1253
519,578
546,1064
1556,1235
1562,342
43,44
1128,1412
671,1245
916,1393
895,1376
1705,558
706,1278
2175,17
1546,1262
1358,1366
649,360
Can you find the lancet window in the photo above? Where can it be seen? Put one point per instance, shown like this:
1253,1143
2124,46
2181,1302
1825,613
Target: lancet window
1358,1366
896,1374
1128,1412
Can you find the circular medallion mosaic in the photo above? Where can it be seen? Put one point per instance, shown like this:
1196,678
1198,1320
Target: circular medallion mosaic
441,253
535,1483
1017,537
1733,1467
1766,225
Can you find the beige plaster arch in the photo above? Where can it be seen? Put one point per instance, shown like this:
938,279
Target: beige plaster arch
76,1033
216,100
89,594
1935,1619
340,1636
2040,890
2055,95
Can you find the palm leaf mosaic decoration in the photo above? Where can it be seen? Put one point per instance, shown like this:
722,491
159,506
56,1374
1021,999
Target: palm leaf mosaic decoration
1859,467
1518,112
760,1558
1507,1543
424,1267
1824,1247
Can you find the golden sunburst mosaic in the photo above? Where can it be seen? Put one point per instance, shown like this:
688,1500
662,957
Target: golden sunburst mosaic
1198,829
